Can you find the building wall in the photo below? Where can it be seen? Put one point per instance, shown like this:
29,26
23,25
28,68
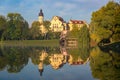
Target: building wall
42,27
78,23
41,19
56,24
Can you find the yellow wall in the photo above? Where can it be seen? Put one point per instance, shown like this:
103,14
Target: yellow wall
56,24
42,27
41,19
70,24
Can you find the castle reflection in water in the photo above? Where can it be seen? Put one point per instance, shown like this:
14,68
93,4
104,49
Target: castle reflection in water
57,60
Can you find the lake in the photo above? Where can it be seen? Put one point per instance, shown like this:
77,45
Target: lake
58,63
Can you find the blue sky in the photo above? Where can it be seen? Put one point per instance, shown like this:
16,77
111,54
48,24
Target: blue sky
67,9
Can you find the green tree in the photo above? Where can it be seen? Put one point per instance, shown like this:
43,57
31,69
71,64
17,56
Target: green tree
35,30
2,25
17,27
46,24
104,22
74,33
47,35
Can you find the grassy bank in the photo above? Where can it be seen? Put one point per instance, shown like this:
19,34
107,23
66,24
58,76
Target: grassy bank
30,43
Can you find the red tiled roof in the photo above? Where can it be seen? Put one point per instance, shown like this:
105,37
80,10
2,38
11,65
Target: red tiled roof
77,21
77,63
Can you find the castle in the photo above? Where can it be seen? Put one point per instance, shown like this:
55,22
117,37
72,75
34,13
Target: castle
41,20
58,24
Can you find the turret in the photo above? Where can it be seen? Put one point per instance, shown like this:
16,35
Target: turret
41,16
41,13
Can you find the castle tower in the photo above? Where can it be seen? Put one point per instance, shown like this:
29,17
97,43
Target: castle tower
41,17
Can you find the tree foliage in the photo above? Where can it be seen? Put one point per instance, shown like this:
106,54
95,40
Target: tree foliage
34,30
16,27
46,24
2,25
105,23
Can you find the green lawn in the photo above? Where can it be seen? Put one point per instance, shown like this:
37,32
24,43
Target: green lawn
30,43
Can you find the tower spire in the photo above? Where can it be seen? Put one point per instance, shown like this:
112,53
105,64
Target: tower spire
41,13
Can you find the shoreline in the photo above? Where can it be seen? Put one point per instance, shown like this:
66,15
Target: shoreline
54,42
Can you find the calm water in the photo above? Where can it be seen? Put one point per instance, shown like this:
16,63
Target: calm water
58,63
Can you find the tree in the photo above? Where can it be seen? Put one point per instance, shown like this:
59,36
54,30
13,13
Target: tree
75,32
17,27
105,21
46,24
35,30
2,25
47,28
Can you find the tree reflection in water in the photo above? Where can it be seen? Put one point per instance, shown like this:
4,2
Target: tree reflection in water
105,65
13,58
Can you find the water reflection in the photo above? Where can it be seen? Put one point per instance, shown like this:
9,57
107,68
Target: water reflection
13,59
104,65
42,57
58,59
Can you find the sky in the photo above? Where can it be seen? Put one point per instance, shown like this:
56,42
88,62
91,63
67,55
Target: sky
67,9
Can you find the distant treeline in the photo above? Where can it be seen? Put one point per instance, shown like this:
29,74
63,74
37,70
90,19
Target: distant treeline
15,27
